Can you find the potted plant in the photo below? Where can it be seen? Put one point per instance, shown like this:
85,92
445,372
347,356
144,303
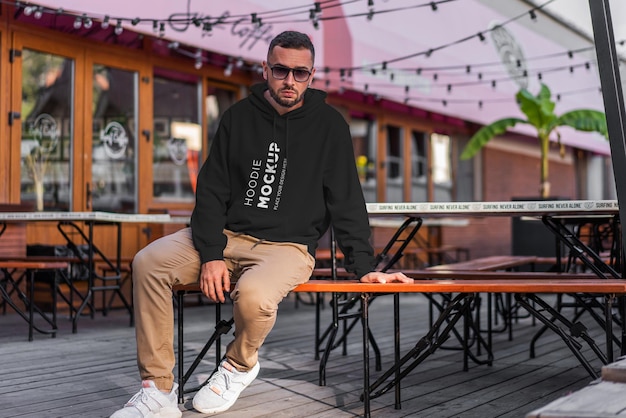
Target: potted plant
539,111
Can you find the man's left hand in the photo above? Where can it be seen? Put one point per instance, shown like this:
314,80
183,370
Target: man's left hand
380,277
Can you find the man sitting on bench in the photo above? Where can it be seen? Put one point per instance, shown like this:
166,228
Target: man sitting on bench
281,168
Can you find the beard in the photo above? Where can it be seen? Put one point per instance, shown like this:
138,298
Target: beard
287,103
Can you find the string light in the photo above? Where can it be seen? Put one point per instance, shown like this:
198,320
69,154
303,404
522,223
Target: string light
198,64
314,15
118,28
206,27
87,22
228,71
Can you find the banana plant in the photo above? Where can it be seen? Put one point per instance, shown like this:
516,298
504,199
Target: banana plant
539,111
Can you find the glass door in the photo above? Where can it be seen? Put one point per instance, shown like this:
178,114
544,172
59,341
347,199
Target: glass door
113,186
395,164
46,110
41,121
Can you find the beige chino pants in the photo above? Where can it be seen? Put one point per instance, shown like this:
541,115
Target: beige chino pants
262,274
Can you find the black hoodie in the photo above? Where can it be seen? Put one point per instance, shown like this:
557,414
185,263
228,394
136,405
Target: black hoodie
282,178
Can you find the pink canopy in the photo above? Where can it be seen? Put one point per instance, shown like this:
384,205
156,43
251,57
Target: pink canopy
406,51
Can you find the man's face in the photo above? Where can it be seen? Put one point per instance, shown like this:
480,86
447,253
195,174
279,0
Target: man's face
288,92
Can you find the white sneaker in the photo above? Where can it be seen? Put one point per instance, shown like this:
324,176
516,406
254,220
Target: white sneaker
150,402
223,388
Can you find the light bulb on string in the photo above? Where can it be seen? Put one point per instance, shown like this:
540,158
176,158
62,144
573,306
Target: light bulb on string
87,22
105,23
38,12
118,28
198,55
228,71
78,22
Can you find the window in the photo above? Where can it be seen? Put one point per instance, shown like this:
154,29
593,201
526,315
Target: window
395,170
177,148
441,167
47,109
114,130
419,166
364,143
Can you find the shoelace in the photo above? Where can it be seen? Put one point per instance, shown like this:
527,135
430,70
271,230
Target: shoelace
221,380
140,397
132,401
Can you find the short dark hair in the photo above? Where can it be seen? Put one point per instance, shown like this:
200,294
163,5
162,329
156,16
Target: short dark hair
293,40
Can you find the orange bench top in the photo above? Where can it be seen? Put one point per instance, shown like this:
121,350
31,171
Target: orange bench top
535,285
33,264
550,285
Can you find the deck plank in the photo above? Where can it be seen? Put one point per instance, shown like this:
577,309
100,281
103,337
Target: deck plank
93,372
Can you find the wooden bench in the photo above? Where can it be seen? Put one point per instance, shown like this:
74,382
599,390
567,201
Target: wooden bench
30,267
601,398
491,263
446,282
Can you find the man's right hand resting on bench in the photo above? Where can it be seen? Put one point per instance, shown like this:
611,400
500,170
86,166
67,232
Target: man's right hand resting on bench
380,277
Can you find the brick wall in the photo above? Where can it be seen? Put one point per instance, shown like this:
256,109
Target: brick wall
508,175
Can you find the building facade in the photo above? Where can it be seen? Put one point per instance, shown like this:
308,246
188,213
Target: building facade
98,115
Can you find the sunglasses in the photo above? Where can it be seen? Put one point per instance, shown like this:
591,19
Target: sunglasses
280,72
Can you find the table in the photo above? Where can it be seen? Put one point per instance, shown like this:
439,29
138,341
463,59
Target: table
69,225
556,215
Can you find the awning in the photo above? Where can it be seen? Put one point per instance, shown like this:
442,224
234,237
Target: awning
436,60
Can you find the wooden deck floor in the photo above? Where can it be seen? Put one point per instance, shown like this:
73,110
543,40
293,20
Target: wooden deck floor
93,372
